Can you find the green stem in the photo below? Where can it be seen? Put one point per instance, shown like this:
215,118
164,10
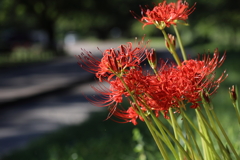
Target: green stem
214,134
157,121
162,127
171,48
189,133
207,106
236,106
202,128
207,109
165,137
159,144
237,111
182,136
180,43
149,125
225,135
174,123
202,136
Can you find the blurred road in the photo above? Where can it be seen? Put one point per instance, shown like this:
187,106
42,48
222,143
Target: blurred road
21,123
28,81
40,98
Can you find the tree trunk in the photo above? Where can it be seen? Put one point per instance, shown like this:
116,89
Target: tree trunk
48,26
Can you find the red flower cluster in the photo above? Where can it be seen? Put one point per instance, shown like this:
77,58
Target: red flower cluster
114,60
171,86
165,14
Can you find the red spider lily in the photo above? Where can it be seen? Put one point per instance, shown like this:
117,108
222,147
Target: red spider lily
106,97
202,72
165,14
197,76
175,84
114,61
171,86
129,115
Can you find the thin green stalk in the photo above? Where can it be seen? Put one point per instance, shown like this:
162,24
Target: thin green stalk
214,134
156,139
174,123
172,137
180,43
207,108
225,135
236,107
172,48
165,138
181,135
159,144
234,97
202,128
202,136
190,134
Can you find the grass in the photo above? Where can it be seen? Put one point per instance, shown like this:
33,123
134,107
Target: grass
22,56
108,140
89,141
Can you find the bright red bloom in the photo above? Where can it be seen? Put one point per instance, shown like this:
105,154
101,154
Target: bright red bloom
171,86
184,83
128,115
165,14
114,60
202,74
188,81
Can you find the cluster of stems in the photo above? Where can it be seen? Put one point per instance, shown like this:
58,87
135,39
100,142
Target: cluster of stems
161,98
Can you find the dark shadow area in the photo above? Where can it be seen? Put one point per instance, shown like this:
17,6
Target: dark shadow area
25,120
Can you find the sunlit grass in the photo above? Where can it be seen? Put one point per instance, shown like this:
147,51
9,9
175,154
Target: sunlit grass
23,55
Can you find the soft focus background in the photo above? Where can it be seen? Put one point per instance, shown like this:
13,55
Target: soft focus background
43,112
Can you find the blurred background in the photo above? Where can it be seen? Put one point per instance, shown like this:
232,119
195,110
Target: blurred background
41,84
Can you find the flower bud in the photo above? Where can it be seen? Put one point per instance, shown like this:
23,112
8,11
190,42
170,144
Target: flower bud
112,61
233,94
172,41
152,58
206,99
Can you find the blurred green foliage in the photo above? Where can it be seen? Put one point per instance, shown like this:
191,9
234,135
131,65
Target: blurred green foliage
25,56
216,22
213,21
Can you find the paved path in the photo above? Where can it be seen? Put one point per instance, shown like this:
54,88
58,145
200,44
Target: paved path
24,117
31,119
25,81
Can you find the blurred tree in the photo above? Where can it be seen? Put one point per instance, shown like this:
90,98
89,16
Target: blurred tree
37,13
88,17
213,20
100,17
217,22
